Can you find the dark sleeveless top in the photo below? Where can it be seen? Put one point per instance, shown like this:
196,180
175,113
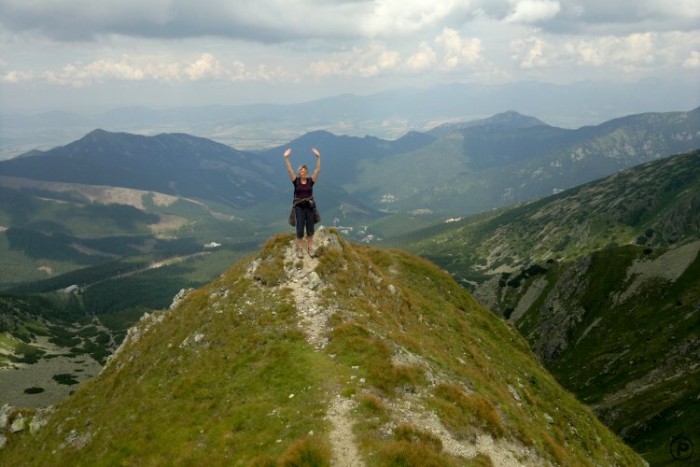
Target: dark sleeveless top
303,190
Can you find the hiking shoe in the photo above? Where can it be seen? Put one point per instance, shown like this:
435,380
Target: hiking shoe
300,253
312,252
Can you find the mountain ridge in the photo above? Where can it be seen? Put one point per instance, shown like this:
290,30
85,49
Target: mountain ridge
467,169
510,119
370,188
481,168
387,114
280,360
173,164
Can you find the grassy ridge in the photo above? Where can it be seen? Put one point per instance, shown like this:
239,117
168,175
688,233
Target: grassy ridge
228,377
428,318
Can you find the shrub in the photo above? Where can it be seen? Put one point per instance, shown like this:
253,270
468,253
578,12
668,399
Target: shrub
371,403
30,353
387,376
406,432
65,378
330,262
270,272
461,412
405,453
306,452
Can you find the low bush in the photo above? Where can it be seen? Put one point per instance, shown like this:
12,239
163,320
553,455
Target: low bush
306,452
65,378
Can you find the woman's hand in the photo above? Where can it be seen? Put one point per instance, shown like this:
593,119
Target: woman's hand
316,153
287,152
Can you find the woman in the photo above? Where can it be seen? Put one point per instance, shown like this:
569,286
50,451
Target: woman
304,203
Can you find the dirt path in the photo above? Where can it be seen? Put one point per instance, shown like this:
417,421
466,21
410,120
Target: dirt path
344,450
306,287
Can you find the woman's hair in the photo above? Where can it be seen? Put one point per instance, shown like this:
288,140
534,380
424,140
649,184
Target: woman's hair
302,166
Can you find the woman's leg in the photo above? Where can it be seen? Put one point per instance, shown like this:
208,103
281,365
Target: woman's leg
300,224
309,220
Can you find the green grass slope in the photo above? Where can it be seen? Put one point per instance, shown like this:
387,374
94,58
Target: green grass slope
49,229
653,204
603,281
621,330
375,355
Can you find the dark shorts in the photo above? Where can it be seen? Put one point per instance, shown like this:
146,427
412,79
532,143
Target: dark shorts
304,219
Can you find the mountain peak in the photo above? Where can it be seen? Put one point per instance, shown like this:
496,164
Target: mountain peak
99,134
173,164
509,119
513,119
358,356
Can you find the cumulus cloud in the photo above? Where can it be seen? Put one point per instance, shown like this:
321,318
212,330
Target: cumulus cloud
422,60
367,61
179,41
449,51
693,61
14,77
633,53
533,11
274,21
143,68
388,17
633,49
531,52
204,67
459,51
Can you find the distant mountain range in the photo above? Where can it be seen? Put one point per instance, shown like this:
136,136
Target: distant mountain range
456,169
387,114
481,167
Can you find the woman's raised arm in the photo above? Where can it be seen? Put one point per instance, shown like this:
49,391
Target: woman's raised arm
290,170
317,169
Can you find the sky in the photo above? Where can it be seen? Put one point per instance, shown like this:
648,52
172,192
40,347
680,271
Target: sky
99,54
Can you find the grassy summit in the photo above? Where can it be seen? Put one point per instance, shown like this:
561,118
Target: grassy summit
361,356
